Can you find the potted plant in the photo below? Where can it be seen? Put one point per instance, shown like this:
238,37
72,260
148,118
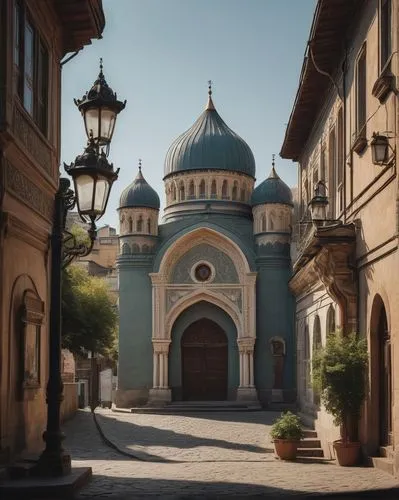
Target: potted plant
339,374
286,432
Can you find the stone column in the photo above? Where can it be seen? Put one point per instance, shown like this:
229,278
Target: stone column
160,394
246,391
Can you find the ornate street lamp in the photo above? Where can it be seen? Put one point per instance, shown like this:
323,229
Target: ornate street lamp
99,108
93,177
379,148
318,204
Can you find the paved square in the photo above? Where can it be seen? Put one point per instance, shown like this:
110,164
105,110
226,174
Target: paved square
201,454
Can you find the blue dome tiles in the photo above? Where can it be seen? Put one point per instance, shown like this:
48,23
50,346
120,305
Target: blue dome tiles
139,194
272,190
209,144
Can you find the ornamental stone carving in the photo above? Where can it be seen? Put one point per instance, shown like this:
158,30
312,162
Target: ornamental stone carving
33,143
225,271
23,188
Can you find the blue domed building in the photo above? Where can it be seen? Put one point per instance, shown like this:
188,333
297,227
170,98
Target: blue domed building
205,309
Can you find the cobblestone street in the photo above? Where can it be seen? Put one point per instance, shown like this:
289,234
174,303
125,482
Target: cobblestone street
201,454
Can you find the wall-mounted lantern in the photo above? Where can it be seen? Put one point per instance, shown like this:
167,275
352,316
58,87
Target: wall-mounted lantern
379,149
318,204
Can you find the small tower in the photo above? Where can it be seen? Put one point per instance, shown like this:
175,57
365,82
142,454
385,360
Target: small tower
138,217
272,211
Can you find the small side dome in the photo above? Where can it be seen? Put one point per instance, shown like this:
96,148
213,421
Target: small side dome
139,194
272,190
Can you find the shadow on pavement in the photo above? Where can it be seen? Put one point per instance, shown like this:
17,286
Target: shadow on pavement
84,442
129,488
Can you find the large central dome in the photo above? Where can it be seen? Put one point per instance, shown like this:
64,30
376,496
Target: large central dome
209,144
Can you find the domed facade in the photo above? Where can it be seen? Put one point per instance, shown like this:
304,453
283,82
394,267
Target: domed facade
199,290
139,194
210,144
272,190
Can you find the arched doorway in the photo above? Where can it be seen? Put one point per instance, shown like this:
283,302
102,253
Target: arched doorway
204,362
385,379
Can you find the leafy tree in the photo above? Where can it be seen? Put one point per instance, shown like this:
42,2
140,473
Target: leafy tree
340,374
89,315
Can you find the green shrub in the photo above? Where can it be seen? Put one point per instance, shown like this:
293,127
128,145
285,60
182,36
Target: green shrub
288,426
339,373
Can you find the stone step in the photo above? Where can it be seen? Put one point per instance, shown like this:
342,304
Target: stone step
386,452
383,463
307,419
309,433
20,469
313,460
310,452
194,407
310,443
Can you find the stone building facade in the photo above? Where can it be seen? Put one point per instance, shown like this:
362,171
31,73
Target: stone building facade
34,38
205,309
345,271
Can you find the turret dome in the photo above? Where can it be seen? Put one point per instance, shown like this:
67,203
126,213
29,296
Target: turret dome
139,194
209,144
272,190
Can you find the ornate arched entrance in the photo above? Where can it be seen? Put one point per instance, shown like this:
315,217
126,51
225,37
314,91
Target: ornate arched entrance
382,370
204,350
385,378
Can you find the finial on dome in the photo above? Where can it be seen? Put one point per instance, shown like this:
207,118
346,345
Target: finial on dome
140,164
210,106
273,173
101,66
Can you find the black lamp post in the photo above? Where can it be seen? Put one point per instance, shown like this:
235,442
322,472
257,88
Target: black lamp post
93,177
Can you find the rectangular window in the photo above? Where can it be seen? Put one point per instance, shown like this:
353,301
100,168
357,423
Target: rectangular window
31,67
385,32
340,163
323,164
361,93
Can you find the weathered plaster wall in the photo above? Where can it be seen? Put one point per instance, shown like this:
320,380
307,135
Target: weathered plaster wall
135,347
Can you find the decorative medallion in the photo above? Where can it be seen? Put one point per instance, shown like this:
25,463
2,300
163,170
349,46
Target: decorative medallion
202,272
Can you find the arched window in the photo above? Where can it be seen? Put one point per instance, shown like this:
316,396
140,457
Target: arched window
242,194
202,189
330,326
135,248
145,249
225,188
139,225
234,192
149,226
306,358
263,229
213,189
271,221
181,192
174,195
125,249
191,191
130,225
316,346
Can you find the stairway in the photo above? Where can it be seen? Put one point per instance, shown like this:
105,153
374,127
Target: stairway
385,461
310,447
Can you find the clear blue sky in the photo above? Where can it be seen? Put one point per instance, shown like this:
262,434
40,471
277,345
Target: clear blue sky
159,55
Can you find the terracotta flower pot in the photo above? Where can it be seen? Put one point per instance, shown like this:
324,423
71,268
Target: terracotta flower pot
347,453
285,448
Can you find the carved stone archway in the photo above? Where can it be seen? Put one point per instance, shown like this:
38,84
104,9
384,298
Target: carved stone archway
170,299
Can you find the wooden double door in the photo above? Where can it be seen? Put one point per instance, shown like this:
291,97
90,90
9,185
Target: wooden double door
204,362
